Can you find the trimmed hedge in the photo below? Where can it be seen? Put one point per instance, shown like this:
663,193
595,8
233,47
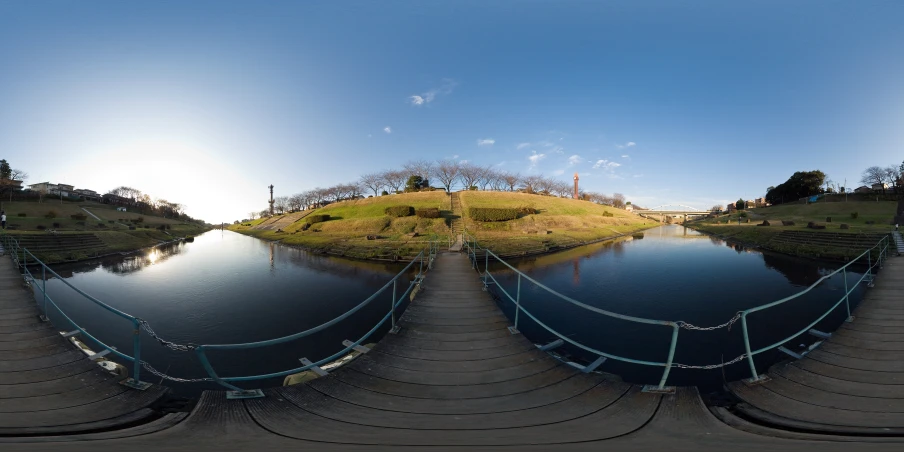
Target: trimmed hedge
525,210
311,219
399,211
430,212
492,213
79,217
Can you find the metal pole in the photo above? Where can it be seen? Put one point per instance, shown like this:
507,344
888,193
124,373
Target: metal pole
44,289
486,266
846,302
518,301
747,347
668,363
393,302
136,352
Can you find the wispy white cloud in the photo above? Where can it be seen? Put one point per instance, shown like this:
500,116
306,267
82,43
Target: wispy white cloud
387,129
486,142
455,157
575,159
558,149
625,156
605,164
626,145
535,158
558,172
637,175
523,145
424,98
463,161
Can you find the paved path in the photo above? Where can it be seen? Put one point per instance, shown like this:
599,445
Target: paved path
853,383
454,378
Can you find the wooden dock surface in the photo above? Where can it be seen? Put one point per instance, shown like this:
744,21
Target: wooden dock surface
853,383
455,378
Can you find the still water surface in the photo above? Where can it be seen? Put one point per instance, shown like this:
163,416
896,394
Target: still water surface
229,288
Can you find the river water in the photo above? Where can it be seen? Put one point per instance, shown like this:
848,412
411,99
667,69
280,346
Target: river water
228,288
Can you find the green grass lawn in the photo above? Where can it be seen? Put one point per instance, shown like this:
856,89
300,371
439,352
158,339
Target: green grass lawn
36,214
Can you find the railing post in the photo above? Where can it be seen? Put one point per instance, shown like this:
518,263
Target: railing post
393,303
668,363
846,301
518,301
486,265
135,382
754,376
44,292
869,269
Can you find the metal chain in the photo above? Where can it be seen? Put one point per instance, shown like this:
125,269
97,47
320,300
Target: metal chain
170,345
711,366
156,372
728,324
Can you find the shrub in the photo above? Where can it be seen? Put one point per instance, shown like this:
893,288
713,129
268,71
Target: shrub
527,210
787,223
41,227
79,217
828,219
139,220
131,228
854,215
473,187
111,221
305,226
384,193
606,213
101,225
22,214
311,219
169,226
492,213
80,223
50,214
430,212
56,225
399,211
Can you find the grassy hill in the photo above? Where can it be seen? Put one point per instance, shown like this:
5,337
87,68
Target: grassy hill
569,222
879,214
33,220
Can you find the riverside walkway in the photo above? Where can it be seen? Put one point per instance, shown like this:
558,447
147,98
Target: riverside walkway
452,378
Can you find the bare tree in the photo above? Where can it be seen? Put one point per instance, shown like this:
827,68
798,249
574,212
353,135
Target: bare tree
294,202
873,175
374,182
447,172
562,189
395,179
281,204
469,174
11,179
423,168
716,208
544,185
511,180
530,183
893,177
252,215
618,200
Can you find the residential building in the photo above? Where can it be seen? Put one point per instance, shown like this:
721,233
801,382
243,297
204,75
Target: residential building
53,189
629,208
862,189
89,195
749,204
761,202
731,207
880,187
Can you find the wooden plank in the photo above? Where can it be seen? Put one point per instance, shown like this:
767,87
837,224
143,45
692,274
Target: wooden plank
165,422
41,362
522,359
367,365
831,384
28,353
856,352
423,344
847,374
858,363
453,337
454,355
833,400
87,377
96,391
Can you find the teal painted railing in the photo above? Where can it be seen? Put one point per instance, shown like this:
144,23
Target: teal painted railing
875,255
23,258
874,258
472,247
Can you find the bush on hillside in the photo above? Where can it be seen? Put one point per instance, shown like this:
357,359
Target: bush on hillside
526,210
429,212
79,217
399,211
56,225
320,218
41,227
854,215
492,213
51,214
22,214
606,213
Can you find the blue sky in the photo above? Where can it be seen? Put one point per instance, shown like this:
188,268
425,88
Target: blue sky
207,103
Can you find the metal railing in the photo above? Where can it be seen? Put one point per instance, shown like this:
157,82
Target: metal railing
473,247
27,258
874,256
23,258
425,258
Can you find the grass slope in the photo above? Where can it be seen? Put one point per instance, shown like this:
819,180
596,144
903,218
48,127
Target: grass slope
560,222
881,213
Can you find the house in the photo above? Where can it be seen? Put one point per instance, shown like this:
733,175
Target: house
880,187
862,189
731,208
117,200
89,195
629,208
120,209
761,202
749,204
52,189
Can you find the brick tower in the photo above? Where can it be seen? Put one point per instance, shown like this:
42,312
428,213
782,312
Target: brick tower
271,199
576,186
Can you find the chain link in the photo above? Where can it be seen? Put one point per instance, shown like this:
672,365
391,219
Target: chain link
728,324
170,345
156,372
711,366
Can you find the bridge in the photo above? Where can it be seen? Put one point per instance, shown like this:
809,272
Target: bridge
672,210
455,374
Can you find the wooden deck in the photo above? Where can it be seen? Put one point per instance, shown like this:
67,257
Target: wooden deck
47,386
851,384
454,378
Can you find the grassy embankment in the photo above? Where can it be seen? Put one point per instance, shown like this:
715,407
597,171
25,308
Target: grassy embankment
112,229
570,223
558,223
352,221
879,213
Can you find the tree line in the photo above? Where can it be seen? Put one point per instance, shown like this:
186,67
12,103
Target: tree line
416,175
144,202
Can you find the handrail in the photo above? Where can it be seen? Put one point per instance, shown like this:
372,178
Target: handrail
10,243
425,258
473,247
